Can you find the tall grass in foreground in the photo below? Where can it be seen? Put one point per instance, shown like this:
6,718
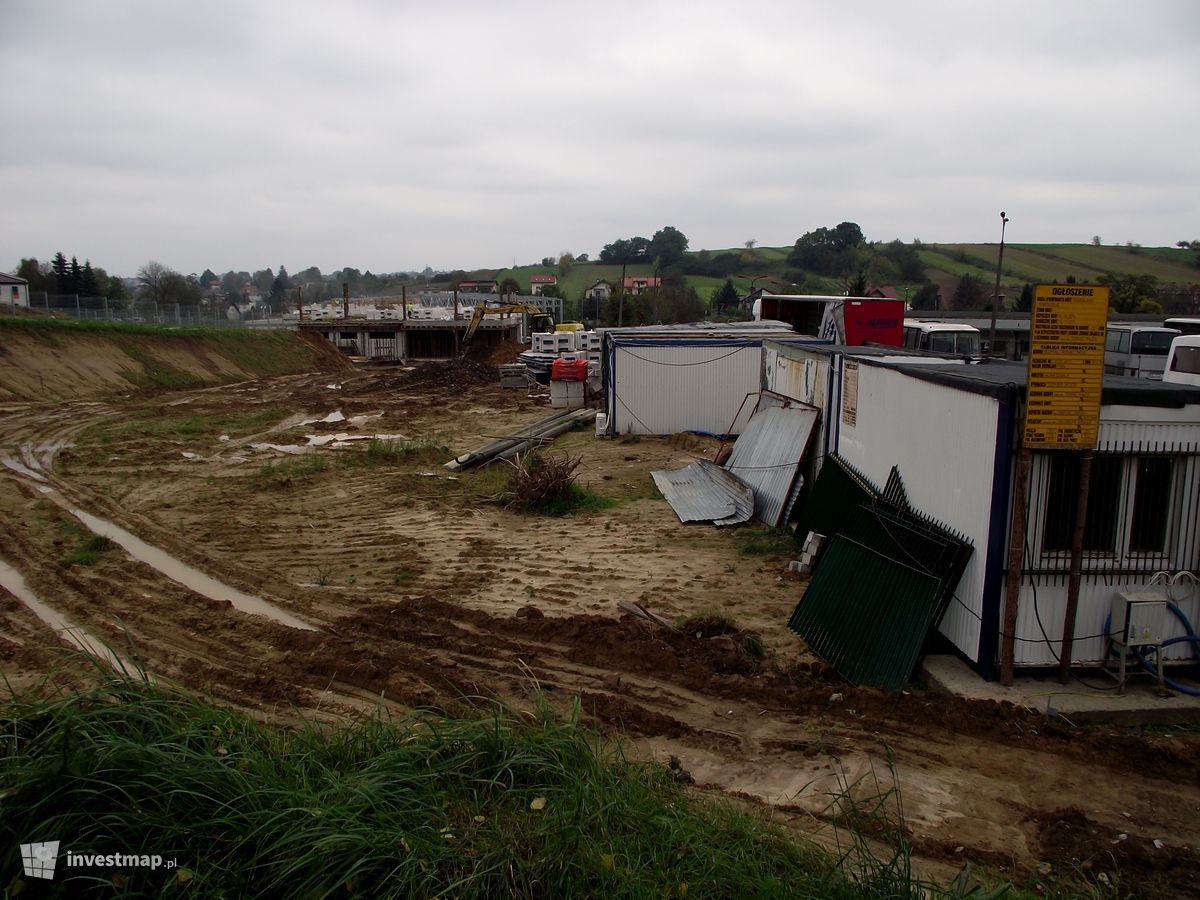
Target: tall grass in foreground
500,806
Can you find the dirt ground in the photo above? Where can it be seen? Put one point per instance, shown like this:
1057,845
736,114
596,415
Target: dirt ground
422,593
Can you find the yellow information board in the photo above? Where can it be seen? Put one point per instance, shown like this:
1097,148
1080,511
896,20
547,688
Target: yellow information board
1066,366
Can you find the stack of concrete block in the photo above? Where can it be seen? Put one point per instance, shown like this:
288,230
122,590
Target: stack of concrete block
813,545
592,344
513,376
558,342
566,394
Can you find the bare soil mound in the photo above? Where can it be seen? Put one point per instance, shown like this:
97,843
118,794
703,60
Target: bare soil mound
451,375
66,362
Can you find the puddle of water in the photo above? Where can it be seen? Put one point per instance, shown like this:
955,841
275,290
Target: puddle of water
20,468
338,441
189,577
341,439
14,583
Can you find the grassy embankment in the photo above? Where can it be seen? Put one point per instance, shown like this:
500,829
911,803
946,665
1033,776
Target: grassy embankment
149,348
505,804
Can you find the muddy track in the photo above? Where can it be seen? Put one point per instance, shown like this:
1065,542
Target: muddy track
427,599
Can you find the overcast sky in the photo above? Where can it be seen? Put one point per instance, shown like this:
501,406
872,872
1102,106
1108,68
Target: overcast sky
393,135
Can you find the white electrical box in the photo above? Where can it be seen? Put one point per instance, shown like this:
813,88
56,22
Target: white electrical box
1139,618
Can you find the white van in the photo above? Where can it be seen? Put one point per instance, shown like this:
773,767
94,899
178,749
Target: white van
943,337
1183,324
1137,350
1183,360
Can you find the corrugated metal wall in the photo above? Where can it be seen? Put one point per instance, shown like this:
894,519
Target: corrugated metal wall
1117,567
1049,602
944,442
660,388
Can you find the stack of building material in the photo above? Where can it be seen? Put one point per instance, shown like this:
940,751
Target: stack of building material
813,544
567,377
592,344
554,342
513,375
566,394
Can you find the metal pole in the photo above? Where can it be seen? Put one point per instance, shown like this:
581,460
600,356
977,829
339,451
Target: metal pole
1081,505
345,299
403,302
1016,558
996,292
621,296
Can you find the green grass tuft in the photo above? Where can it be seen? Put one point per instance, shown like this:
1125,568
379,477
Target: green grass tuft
282,474
767,542
88,553
496,806
382,452
573,499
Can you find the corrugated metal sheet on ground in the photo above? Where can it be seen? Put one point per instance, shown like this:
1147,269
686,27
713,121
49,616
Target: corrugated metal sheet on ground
767,457
704,492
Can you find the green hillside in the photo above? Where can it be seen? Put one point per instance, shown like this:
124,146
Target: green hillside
945,264
1057,262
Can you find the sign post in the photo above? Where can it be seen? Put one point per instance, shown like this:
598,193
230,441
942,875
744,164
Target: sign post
1062,412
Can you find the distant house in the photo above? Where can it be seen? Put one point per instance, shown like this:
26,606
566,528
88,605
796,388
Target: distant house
639,284
598,290
886,292
15,291
538,283
481,286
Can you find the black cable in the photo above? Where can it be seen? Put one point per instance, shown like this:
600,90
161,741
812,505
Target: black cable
657,362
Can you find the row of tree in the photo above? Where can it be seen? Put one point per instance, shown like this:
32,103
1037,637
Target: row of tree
58,276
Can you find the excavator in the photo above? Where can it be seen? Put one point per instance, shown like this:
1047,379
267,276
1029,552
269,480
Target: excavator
538,319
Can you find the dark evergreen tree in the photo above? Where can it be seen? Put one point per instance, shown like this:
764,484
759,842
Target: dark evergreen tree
969,293
88,284
726,296
926,297
76,276
1025,302
60,271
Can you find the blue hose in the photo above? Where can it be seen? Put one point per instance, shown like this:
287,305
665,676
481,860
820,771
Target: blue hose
1191,637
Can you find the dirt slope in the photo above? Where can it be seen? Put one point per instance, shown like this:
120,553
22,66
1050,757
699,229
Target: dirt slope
47,363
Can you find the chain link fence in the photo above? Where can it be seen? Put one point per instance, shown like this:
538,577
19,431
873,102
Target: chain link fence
101,309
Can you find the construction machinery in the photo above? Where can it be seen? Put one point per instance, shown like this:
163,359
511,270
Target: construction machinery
538,319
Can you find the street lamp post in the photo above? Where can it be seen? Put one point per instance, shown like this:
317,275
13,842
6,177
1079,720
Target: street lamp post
996,292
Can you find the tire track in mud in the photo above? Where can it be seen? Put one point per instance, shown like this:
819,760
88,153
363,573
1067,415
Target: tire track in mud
207,647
